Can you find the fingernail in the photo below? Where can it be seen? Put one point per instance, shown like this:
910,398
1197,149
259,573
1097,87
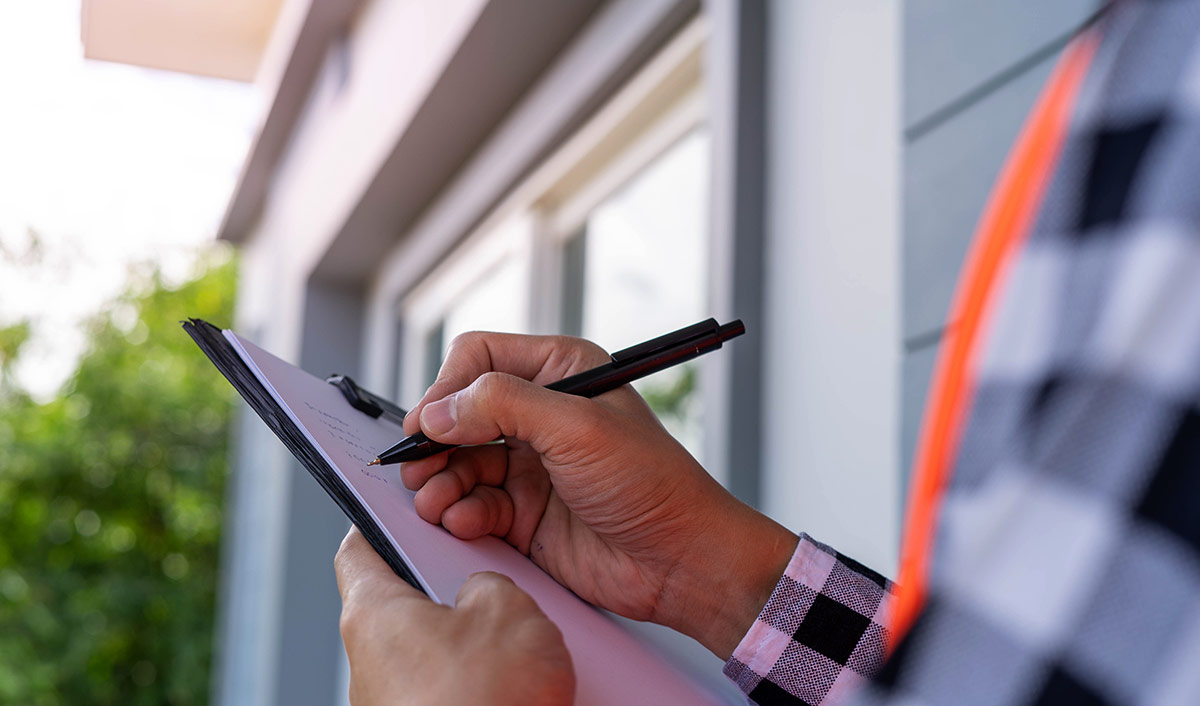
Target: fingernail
439,417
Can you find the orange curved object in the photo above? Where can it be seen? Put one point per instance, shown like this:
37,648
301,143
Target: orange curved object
1003,228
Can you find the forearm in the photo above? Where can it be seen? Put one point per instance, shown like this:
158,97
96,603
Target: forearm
735,564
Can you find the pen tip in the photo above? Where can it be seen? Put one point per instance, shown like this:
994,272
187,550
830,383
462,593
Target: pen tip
374,463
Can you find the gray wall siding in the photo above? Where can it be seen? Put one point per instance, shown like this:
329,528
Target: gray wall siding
952,47
949,173
973,70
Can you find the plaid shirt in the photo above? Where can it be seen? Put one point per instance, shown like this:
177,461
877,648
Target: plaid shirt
1067,562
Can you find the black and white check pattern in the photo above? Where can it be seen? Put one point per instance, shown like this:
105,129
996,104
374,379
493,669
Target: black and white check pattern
1067,563
820,634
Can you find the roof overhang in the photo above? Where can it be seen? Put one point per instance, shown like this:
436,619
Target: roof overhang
294,57
447,132
221,38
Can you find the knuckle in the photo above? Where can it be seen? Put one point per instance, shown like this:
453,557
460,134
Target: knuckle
495,509
409,477
486,589
591,353
343,556
492,390
509,597
350,623
582,347
572,353
466,352
493,584
428,506
465,342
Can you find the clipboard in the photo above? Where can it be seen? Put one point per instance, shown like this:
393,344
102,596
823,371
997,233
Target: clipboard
333,427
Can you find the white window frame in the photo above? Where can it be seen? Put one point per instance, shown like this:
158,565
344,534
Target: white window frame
425,307
658,107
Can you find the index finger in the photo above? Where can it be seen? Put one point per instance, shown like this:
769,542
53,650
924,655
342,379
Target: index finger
539,359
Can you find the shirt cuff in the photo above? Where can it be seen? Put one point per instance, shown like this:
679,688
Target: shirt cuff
822,633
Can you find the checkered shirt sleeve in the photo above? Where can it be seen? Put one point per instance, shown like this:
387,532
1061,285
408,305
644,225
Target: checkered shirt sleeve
820,634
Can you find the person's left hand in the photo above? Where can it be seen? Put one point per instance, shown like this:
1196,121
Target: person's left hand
495,646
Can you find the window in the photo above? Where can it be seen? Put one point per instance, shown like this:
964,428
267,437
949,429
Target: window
637,267
484,287
488,304
608,239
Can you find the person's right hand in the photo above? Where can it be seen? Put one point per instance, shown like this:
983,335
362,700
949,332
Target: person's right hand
595,491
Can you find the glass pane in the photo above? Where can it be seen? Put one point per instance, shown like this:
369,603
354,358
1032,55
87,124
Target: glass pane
435,343
572,294
496,302
645,272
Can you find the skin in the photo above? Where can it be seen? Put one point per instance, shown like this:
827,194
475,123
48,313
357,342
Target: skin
405,649
595,491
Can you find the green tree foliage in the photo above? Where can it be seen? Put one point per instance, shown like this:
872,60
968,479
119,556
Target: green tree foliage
670,399
11,339
110,509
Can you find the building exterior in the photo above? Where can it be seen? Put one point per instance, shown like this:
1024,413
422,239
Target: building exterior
616,168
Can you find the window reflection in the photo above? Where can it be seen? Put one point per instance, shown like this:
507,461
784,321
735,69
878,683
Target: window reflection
638,269
495,302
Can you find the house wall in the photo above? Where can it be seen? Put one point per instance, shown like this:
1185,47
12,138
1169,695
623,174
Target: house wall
831,398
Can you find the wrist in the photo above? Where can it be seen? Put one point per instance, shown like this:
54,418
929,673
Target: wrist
731,572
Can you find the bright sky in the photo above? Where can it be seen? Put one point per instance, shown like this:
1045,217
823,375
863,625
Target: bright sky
111,165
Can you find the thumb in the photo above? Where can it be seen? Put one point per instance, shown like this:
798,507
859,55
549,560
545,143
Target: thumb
487,590
497,405
363,575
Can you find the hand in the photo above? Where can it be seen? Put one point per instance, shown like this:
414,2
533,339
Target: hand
595,491
495,646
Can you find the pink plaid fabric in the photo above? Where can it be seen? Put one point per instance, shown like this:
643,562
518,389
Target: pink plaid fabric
821,634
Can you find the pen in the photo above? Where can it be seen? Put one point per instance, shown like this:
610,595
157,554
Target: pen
625,366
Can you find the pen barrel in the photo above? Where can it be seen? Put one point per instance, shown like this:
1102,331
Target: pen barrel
610,376
432,448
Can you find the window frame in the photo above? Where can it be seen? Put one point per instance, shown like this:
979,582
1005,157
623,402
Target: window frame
424,308
659,106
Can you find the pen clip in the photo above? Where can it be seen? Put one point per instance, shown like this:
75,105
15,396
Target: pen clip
670,340
366,402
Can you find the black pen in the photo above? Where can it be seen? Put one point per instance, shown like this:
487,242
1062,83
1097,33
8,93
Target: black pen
627,365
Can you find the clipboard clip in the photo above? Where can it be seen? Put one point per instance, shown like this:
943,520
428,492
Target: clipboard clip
366,402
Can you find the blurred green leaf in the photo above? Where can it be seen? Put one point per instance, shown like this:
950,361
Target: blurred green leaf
669,398
110,508
12,337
